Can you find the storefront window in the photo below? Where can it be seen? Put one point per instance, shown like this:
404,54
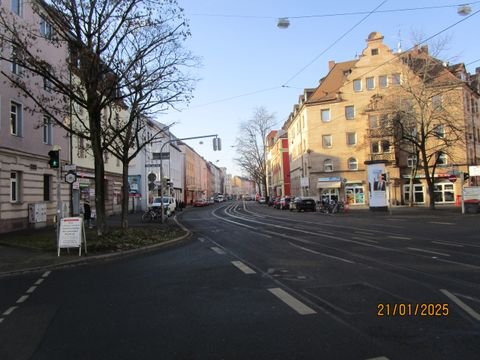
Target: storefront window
329,195
418,194
355,194
444,193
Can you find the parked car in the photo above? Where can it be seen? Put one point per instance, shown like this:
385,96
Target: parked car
200,203
169,204
271,201
285,203
276,203
303,204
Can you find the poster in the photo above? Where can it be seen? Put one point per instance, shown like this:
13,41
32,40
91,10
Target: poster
377,185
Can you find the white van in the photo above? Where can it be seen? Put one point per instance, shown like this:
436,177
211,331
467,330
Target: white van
169,203
219,198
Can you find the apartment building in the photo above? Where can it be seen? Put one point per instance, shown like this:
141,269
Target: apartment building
278,164
335,131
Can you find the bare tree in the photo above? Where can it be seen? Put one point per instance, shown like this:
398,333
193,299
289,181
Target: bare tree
251,145
423,115
121,54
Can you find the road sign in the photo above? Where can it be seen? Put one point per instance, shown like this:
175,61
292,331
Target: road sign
69,167
71,177
452,178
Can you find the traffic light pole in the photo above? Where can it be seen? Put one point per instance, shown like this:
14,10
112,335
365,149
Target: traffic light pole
162,216
59,202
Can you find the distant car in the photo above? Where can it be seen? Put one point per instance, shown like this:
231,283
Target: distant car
200,203
285,203
276,203
303,204
271,201
262,200
219,198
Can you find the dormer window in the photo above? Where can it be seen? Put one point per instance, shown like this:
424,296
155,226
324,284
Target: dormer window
374,52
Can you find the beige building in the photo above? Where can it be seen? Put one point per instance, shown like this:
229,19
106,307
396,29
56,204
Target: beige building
336,129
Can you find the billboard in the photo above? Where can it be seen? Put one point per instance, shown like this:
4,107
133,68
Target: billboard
377,185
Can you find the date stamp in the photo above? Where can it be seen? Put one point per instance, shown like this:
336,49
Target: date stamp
404,310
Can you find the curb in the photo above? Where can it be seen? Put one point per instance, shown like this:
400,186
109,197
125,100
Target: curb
103,257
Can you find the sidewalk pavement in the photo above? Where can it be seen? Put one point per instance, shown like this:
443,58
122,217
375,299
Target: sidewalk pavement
14,260
18,260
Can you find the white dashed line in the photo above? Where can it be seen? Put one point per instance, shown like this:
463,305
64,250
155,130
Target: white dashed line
460,303
10,310
201,239
446,244
22,299
399,237
441,223
363,239
428,251
295,304
31,290
218,250
46,273
39,281
247,270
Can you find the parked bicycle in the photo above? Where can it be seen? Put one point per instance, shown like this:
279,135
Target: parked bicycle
332,207
151,214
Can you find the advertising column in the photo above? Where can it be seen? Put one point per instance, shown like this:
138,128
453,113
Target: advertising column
377,186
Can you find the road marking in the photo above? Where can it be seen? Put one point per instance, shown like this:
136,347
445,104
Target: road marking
441,223
459,263
22,299
295,304
1,320
364,233
399,237
247,270
427,251
460,303
363,239
10,310
201,239
218,250
446,244
379,358
46,273
31,290
39,281
322,254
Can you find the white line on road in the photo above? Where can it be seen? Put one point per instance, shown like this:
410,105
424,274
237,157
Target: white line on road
363,239
322,254
201,239
10,310
364,233
247,270
399,237
295,304
428,251
1,320
31,290
446,244
460,303
22,299
46,273
441,223
379,358
39,281
218,250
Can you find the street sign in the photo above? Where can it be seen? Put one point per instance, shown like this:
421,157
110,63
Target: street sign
452,178
69,167
71,177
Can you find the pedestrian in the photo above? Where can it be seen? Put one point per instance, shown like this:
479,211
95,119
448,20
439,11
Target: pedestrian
87,214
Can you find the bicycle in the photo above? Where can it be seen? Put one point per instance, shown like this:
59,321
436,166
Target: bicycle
151,214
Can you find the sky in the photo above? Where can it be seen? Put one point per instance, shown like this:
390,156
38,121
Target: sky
248,62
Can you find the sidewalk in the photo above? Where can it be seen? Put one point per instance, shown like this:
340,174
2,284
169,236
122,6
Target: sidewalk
17,260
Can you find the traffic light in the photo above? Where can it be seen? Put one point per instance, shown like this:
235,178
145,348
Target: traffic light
217,144
466,176
54,161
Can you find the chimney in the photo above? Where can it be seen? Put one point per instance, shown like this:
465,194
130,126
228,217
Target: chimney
331,64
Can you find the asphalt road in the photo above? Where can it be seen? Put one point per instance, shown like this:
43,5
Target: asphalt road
258,283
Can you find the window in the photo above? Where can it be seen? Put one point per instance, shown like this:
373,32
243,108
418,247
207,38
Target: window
437,102
444,192
418,196
47,130
14,186
325,115
382,146
396,79
16,7
350,112
327,141
412,161
357,85
439,131
370,81
374,52
383,81
328,165
15,62
352,164
385,146
351,138
442,159
46,29
16,114
373,121
47,185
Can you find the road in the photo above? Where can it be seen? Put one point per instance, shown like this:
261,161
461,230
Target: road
258,283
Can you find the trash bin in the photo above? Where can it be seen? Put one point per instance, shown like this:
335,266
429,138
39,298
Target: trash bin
471,207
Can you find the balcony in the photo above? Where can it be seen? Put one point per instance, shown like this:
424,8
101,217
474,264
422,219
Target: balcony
383,156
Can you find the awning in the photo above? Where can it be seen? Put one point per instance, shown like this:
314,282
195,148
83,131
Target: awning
329,185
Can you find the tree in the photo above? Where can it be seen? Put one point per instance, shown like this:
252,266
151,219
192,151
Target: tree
123,54
423,115
251,145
